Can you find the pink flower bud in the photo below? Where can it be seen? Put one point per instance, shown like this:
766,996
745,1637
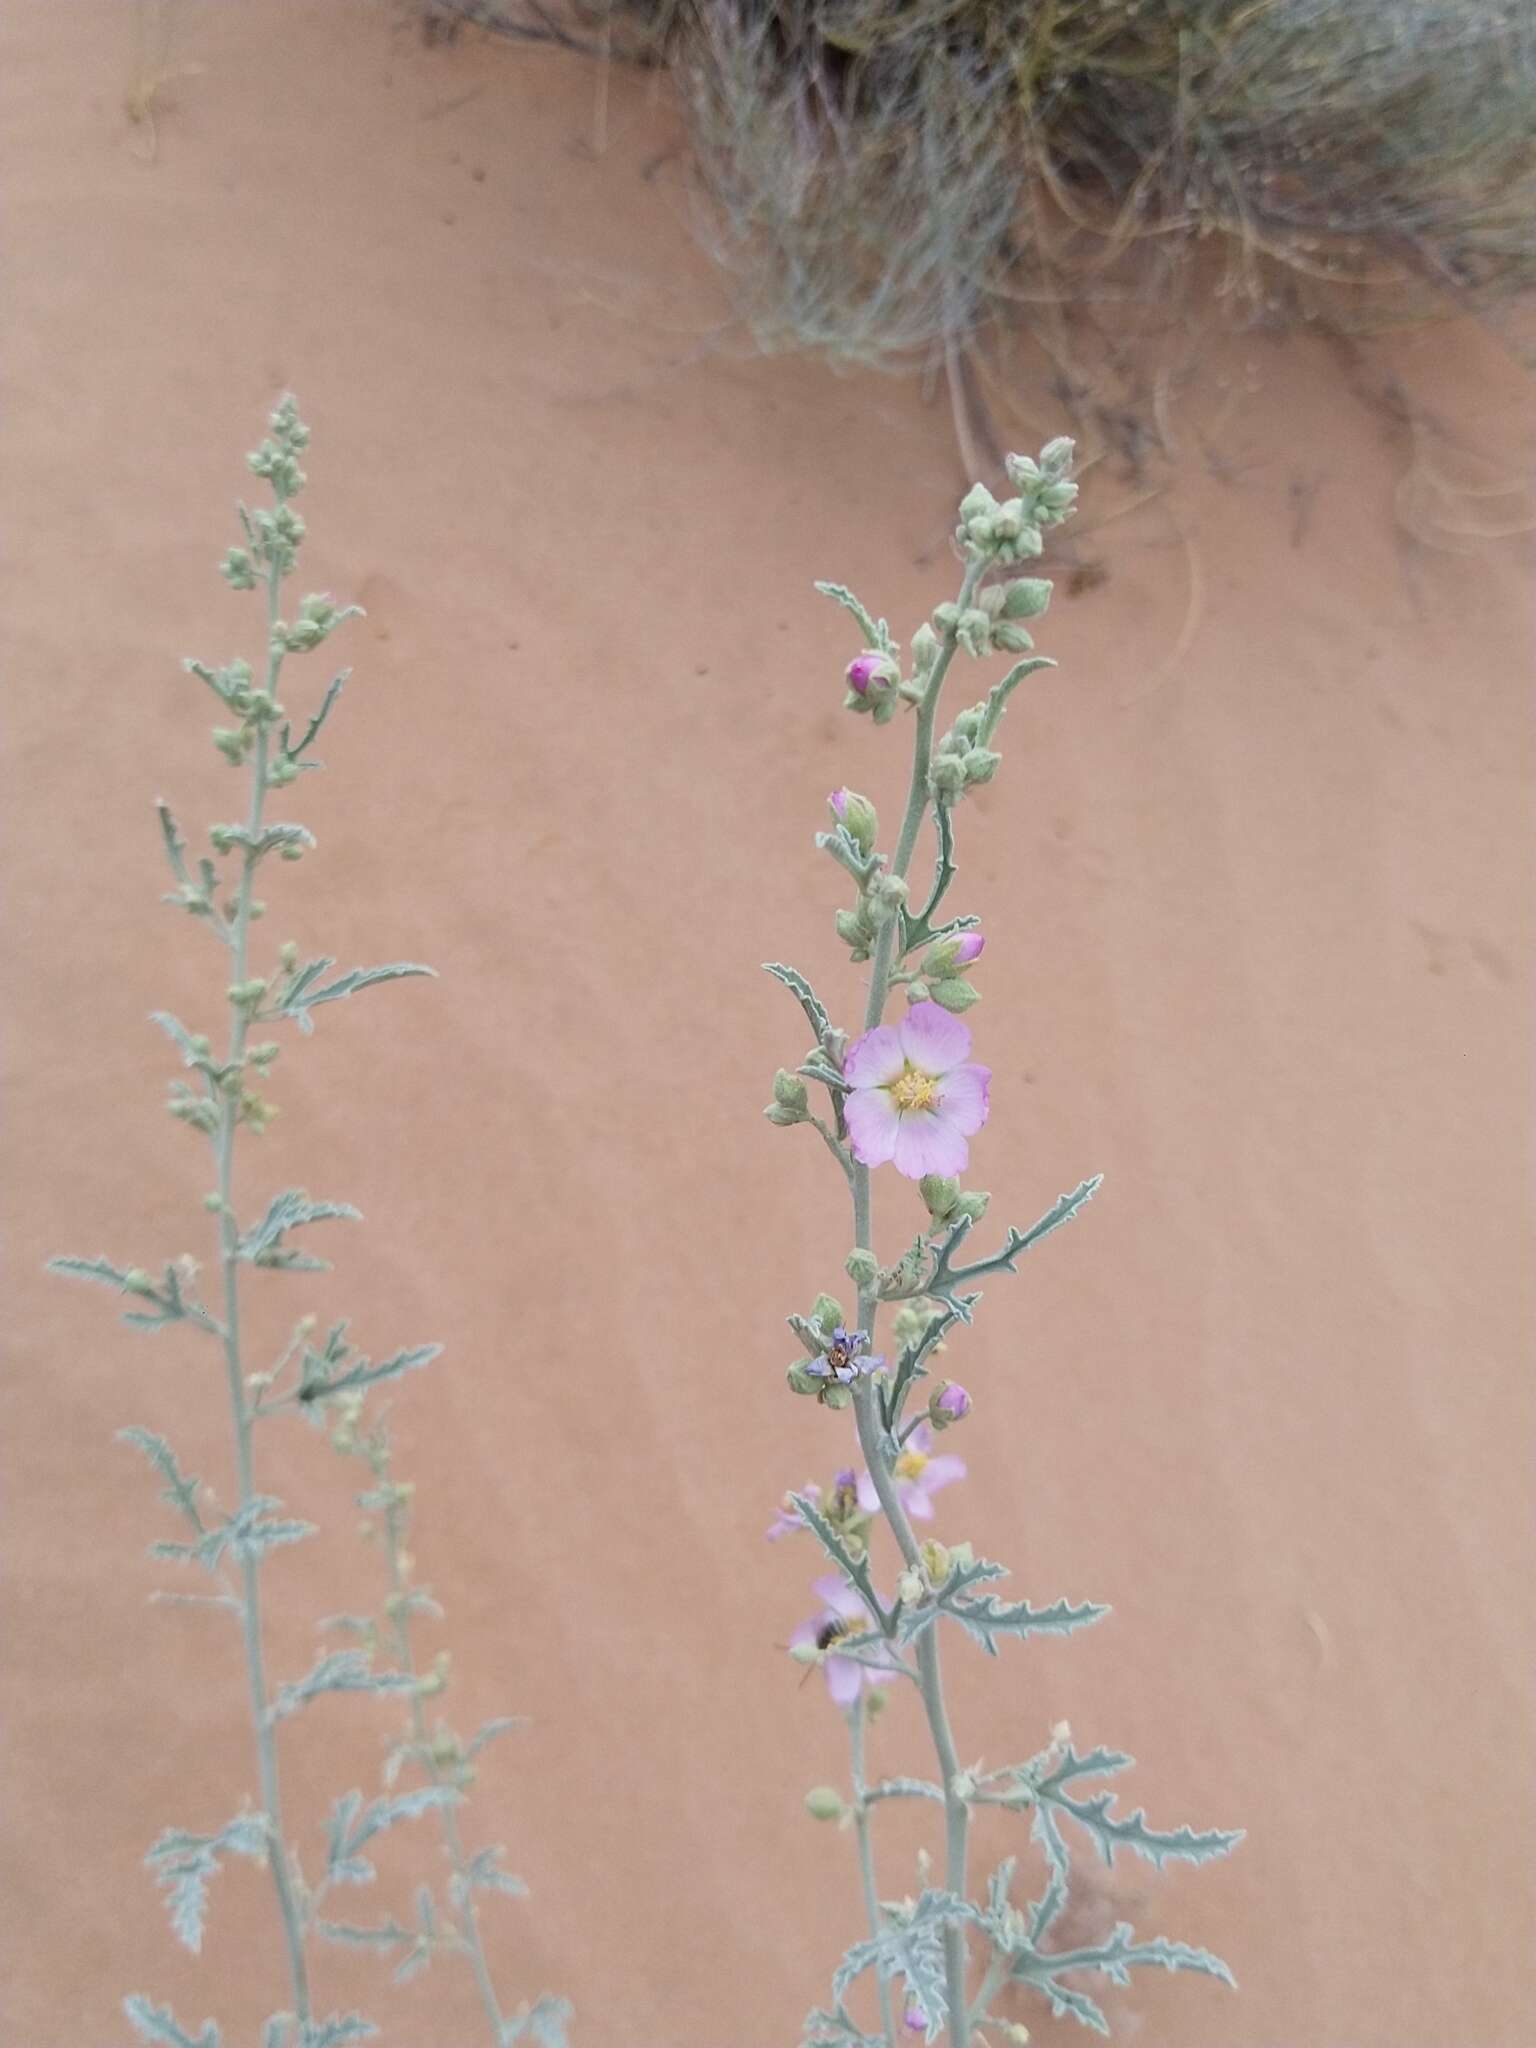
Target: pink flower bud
863,670
914,2019
950,1403
968,947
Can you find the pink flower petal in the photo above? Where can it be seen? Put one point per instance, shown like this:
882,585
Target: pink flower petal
805,1633
942,1471
869,1500
963,1098
921,1438
924,1143
845,1680
876,1059
932,1039
916,1502
874,1125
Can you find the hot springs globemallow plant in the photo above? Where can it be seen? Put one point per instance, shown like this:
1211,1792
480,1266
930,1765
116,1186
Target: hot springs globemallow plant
903,1098
228,1536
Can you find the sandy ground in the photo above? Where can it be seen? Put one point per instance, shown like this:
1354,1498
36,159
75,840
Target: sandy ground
1256,874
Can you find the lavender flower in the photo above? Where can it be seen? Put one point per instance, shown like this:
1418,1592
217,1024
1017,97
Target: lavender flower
915,1098
843,1615
844,1360
919,1474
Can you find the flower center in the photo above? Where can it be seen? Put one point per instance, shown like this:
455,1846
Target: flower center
912,1090
911,1465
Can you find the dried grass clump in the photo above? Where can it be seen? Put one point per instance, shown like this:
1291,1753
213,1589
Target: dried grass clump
886,173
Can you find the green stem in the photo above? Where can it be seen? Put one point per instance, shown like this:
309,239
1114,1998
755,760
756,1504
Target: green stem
466,1914
856,1725
865,1403
240,1414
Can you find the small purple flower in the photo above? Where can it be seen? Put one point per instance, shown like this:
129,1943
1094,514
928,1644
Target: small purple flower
919,1475
913,2018
787,1520
844,1359
844,1614
915,1098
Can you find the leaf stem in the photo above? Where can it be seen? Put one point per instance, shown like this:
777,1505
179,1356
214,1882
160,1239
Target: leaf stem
873,1436
856,1727
240,1414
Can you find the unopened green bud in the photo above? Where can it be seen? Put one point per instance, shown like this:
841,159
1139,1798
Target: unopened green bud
925,648
238,568
937,1562
835,1395
917,991
962,1556
954,995
855,931
805,1653
1026,598
940,1193
909,1589
777,1114
800,1381
288,955
789,1092
822,1803
981,764
973,631
862,1267
827,1311
856,814
246,995
946,778
137,1281
972,1205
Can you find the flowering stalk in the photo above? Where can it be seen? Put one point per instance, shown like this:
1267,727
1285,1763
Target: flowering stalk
446,1763
909,1095
221,1095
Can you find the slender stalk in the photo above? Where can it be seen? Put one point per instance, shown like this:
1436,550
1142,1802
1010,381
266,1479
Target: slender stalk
866,1412
856,1722
453,1843
240,1414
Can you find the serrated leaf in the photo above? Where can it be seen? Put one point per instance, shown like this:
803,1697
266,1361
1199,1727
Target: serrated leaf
289,1211
1114,1960
158,2023
336,2031
185,1863
904,1788
337,1671
989,1617
1111,1831
180,1490
351,1826
483,1873
316,1386
900,1946
388,1934
307,990
491,1731
815,1011
877,634
835,2030
854,1569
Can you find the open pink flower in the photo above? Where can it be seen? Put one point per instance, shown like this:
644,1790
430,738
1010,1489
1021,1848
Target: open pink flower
915,1099
844,1614
919,1473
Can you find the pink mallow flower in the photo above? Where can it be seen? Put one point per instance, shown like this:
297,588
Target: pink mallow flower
843,1614
915,1098
919,1474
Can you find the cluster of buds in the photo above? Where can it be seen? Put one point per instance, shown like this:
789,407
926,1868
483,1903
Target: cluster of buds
963,757
874,682
318,618
948,1204
992,625
938,979
1011,531
835,1355
882,896
791,1102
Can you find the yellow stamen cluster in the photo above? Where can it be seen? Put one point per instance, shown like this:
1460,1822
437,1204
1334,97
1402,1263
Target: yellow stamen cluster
912,1090
911,1465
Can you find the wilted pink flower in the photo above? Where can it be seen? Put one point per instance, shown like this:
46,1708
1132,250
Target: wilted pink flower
787,1520
844,1614
914,1098
919,1475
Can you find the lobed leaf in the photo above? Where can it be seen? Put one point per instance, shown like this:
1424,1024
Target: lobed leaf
158,2023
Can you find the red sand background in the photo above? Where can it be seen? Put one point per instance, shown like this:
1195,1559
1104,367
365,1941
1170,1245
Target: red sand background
1261,926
